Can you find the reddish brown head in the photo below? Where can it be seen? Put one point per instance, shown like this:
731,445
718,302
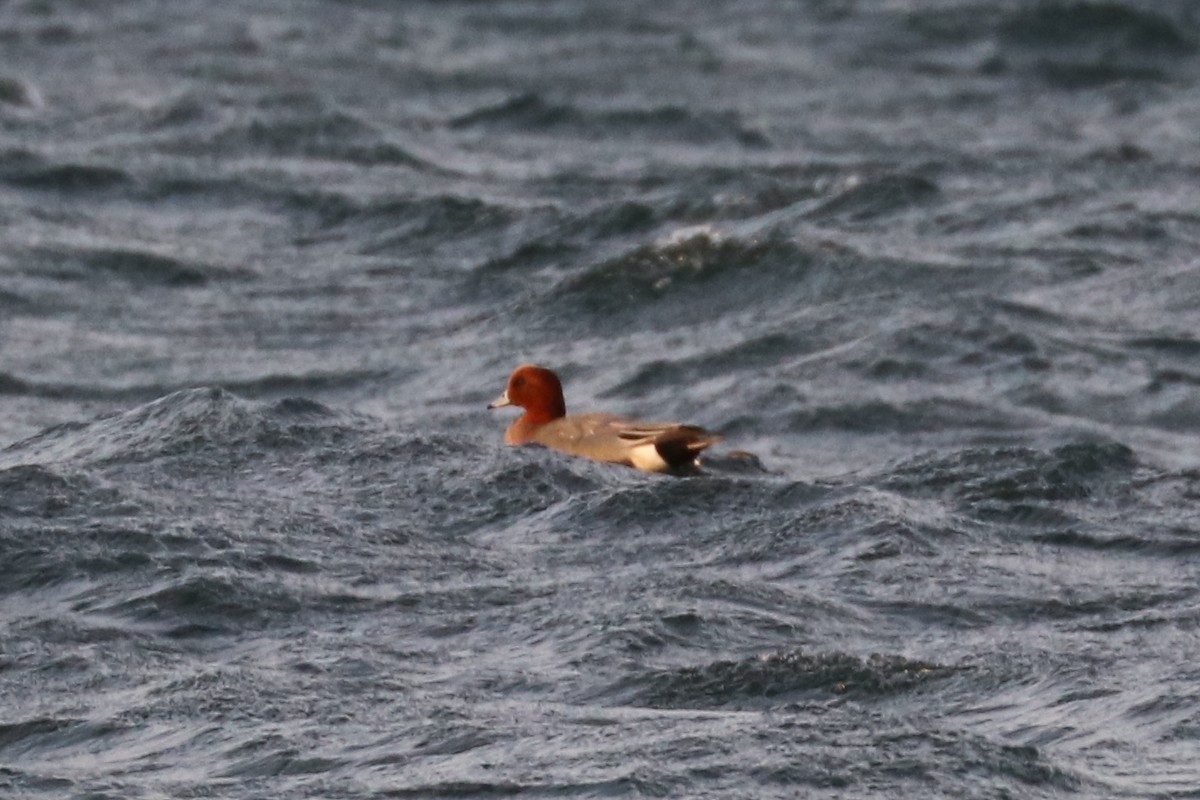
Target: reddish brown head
538,391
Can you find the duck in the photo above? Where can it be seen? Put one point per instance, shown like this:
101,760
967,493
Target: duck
668,447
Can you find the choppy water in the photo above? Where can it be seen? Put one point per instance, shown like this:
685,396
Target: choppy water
935,264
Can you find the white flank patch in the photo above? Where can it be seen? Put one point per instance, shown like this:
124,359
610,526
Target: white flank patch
645,456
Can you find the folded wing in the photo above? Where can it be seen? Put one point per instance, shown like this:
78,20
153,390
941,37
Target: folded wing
653,446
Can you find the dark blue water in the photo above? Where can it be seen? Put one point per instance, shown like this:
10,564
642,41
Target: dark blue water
934,264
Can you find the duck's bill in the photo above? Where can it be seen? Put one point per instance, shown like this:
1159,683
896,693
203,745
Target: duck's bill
500,401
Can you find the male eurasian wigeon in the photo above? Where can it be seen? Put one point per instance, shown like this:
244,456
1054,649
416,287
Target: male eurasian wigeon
652,446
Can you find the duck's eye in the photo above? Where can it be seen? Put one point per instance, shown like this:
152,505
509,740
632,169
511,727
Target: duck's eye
518,381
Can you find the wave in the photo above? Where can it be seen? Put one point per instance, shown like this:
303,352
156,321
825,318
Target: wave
140,267
880,416
187,421
788,197
530,112
13,303
400,224
41,539
702,274
1016,475
1068,44
874,196
19,93
775,679
288,383
1117,26
265,386
677,280
12,385
45,734
1079,45
26,169
1186,347
203,605
1169,544
205,435
296,125
35,489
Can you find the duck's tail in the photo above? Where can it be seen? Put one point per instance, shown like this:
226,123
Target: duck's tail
680,446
